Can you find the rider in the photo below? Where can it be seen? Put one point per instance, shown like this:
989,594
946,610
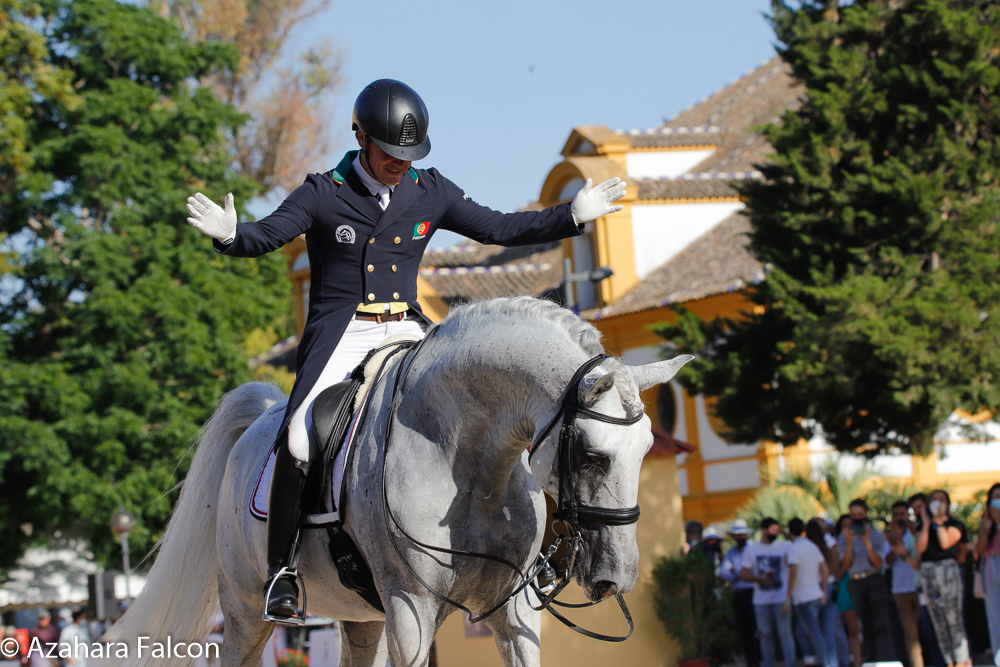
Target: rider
366,223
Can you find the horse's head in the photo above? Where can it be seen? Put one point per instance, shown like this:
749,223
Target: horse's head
604,474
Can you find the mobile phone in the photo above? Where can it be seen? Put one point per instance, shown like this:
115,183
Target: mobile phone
901,523
858,528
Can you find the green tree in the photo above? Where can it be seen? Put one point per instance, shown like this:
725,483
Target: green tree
878,219
119,325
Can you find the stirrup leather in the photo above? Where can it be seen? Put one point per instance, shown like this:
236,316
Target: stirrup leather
299,618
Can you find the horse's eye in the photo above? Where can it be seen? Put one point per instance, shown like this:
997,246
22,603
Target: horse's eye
596,460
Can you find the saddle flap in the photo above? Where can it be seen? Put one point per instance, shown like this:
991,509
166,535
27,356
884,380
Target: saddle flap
327,408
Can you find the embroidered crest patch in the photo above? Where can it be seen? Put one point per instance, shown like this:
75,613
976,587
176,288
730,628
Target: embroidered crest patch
345,234
420,231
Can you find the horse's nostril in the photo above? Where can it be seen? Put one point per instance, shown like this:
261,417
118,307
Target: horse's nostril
605,589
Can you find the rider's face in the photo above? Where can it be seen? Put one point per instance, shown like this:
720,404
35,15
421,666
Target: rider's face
385,168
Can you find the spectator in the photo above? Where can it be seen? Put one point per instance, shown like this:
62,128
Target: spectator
861,549
10,632
988,554
844,602
692,533
829,616
47,634
807,577
76,634
730,570
711,543
905,564
928,640
765,564
937,542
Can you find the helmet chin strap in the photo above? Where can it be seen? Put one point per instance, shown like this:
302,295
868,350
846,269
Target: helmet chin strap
368,162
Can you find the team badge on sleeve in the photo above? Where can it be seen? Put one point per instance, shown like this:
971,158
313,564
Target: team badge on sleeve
420,231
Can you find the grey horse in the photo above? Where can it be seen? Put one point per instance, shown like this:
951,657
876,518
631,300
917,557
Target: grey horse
457,475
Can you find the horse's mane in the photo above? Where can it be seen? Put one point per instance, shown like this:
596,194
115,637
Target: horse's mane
586,335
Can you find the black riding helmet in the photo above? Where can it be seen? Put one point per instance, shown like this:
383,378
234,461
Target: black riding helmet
392,115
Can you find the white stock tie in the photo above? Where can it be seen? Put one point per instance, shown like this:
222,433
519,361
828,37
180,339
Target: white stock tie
383,196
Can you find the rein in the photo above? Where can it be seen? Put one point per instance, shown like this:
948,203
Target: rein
570,512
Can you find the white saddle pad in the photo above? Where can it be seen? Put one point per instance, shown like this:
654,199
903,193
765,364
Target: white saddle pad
258,503
332,487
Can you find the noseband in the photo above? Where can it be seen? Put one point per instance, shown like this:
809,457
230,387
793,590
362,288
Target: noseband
570,512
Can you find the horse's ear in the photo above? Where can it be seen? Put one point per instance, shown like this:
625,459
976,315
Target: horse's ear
649,375
593,386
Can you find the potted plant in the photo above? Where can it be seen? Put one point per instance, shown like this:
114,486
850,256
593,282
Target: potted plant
691,607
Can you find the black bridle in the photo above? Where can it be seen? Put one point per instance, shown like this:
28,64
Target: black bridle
570,512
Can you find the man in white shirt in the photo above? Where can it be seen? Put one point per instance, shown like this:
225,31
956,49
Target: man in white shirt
807,576
765,564
76,635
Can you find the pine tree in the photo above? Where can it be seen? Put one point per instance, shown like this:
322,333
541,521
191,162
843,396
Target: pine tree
119,325
878,218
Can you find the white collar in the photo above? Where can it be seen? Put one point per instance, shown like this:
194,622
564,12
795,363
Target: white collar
369,181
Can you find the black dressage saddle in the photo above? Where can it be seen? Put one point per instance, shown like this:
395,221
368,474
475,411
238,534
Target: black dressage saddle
331,417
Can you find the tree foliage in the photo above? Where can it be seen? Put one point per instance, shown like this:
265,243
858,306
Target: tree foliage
288,100
119,325
878,217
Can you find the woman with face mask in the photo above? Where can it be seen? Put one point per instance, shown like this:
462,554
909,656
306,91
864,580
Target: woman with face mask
988,554
937,542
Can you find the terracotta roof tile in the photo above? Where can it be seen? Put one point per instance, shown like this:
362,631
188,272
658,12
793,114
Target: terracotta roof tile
533,270
759,97
715,263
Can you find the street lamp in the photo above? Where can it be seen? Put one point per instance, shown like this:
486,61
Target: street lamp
595,276
122,523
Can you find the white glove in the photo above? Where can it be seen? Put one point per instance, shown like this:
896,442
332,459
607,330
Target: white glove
212,220
591,203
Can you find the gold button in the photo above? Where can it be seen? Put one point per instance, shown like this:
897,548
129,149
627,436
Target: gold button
393,267
372,240
396,240
395,295
371,297
370,268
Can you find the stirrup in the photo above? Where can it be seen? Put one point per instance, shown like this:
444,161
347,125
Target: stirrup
299,618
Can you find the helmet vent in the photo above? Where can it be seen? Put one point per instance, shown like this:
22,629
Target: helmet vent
408,135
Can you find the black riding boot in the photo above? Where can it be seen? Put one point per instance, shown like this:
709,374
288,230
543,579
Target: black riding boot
284,511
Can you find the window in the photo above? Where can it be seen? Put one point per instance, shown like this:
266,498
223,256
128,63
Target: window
666,407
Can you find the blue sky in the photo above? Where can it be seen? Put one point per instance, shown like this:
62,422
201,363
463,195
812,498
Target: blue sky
506,82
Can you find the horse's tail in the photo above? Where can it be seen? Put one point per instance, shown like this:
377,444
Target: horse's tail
181,592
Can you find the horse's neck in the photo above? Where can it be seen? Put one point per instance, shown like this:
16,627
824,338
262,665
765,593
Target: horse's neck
488,400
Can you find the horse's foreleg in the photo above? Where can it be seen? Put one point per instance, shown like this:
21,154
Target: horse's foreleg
517,630
363,644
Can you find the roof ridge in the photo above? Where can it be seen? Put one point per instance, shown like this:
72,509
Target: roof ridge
709,175
693,129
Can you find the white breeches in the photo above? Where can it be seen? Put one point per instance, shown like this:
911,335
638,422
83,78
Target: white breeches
360,337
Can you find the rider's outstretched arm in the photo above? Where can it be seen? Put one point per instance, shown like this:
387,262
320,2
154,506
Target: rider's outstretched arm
253,239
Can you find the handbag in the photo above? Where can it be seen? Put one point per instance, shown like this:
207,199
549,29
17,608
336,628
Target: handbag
978,587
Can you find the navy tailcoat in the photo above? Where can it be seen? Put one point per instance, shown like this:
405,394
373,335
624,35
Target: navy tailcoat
359,253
